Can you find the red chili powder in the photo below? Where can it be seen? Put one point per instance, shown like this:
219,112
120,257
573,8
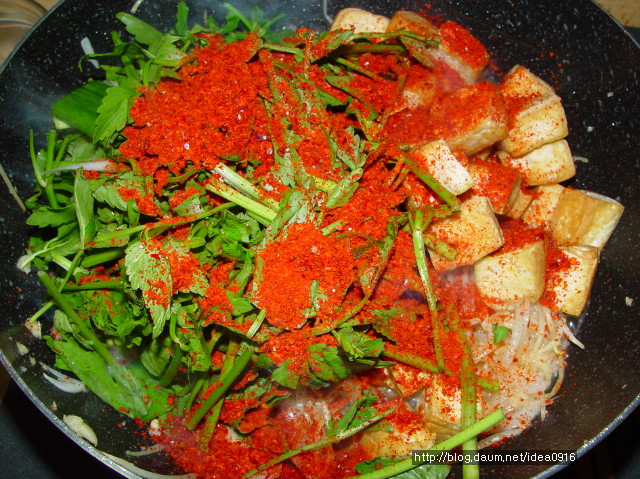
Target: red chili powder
459,41
466,109
294,346
517,234
557,264
144,203
215,302
495,181
300,256
212,110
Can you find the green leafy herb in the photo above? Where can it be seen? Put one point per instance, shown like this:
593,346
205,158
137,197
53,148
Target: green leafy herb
499,333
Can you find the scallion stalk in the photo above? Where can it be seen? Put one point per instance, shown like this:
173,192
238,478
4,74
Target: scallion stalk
225,383
446,445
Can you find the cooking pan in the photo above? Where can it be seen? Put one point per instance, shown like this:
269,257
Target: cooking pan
573,44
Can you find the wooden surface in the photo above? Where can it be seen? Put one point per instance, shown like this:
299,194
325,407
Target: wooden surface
626,12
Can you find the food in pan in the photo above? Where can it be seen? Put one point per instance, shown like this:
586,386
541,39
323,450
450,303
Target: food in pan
316,252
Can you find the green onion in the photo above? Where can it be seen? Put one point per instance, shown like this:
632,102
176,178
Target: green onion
454,441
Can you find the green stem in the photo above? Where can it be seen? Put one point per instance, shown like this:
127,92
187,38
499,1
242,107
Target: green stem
62,150
454,441
34,161
225,383
282,48
418,225
468,413
444,194
91,260
316,445
468,398
72,267
45,307
266,214
243,185
112,235
357,68
439,246
197,387
427,365
417,231
257,323
210,426
359,48
66,307
50,156
115,285
411,360
172,369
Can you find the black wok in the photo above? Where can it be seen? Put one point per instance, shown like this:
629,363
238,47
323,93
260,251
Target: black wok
596,68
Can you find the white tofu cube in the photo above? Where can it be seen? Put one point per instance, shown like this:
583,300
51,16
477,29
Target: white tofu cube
461,51
570,286
360,21
474,232
520,82
584,218
380,442
419,90
513,275
523,199
412,22
404,438
437,159
542,120
542,206
408,380
500,183
472,118
550,163
536,114
444,403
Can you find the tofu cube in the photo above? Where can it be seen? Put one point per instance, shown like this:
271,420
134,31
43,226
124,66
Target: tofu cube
399,442
461,51
420,88
474,232
444,403
408,380
541,121
515,274
472,118
497,182
584,218
536,114
542,206
550,163
523,199
520,83
569,285
360,21
436,157
420,195
412,22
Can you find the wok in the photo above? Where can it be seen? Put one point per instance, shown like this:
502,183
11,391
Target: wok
596,68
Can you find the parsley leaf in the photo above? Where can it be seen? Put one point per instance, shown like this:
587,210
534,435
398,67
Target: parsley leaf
499,333
149,271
